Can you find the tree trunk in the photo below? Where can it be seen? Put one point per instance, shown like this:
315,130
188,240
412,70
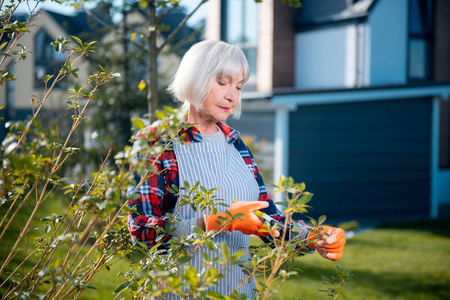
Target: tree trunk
126,118
152,85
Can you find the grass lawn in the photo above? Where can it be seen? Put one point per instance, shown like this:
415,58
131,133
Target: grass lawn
105,282
407,261
397,261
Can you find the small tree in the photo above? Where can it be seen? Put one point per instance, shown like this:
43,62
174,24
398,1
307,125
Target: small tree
156,11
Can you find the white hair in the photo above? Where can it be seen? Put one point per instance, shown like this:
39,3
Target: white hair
201,65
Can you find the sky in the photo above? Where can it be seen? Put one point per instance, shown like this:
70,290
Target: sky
66,9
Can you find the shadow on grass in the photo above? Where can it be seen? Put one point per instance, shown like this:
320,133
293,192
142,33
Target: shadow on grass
392,285
438,227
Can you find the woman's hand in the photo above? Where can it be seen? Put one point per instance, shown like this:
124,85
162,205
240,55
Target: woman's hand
331,244
250,223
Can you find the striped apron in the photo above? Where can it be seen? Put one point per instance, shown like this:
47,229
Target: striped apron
217,164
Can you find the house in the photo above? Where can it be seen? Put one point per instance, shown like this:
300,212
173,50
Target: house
353,96
16,95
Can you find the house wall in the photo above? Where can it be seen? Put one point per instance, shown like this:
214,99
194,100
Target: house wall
441,49
441,71
259,125
213,20
265,56
388,23
284,45
444,186
326,57
24,85
368,161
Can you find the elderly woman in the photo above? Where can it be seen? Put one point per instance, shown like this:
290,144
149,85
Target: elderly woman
209,82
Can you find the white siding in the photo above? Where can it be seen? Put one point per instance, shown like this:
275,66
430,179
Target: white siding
326,58
388,23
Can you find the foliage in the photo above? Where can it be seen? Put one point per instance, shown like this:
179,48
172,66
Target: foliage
68,249
336,283
388,263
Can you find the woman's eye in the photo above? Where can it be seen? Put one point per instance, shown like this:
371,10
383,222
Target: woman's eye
239,88
221,83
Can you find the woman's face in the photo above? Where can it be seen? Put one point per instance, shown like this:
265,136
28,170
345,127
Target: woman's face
222,99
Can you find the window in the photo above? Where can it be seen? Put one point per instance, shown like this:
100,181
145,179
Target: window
240,19
420,30
47,60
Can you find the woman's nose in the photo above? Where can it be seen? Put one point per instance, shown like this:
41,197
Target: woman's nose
232,94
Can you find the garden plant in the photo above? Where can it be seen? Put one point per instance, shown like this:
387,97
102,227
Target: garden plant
56,256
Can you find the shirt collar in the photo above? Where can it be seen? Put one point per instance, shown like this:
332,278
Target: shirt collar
194,135
230,134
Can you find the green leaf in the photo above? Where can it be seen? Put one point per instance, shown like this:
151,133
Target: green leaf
191,275
3,45
313,222
322,219
77,39
183,260
175,188
19,190
186,184
138,123
236,255
211,245
215,296
121,287
301,187
198,230
225,250
291,190
306,197
160,115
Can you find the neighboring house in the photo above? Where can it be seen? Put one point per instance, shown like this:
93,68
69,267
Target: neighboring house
16,95
353,96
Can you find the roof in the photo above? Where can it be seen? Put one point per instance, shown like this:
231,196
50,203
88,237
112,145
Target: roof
294,97
323,12
78,23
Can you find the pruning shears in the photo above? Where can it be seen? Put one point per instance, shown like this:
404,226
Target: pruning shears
268,218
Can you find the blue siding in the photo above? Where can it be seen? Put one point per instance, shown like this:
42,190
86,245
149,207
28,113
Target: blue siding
258,124
364,161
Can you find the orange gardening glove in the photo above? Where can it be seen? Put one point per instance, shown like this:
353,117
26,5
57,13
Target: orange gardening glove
250,223
329,246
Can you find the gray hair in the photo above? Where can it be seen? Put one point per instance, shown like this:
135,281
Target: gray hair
200,66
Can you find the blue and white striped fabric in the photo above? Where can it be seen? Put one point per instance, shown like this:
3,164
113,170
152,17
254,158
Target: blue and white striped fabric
217,164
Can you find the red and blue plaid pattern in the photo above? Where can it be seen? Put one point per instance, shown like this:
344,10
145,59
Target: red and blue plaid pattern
155,200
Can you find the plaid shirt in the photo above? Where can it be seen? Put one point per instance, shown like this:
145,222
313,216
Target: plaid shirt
155,200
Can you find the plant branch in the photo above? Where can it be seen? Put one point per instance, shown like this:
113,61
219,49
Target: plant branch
113,29
178,28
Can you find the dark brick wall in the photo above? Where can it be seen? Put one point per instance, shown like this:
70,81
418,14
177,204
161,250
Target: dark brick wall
283,45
